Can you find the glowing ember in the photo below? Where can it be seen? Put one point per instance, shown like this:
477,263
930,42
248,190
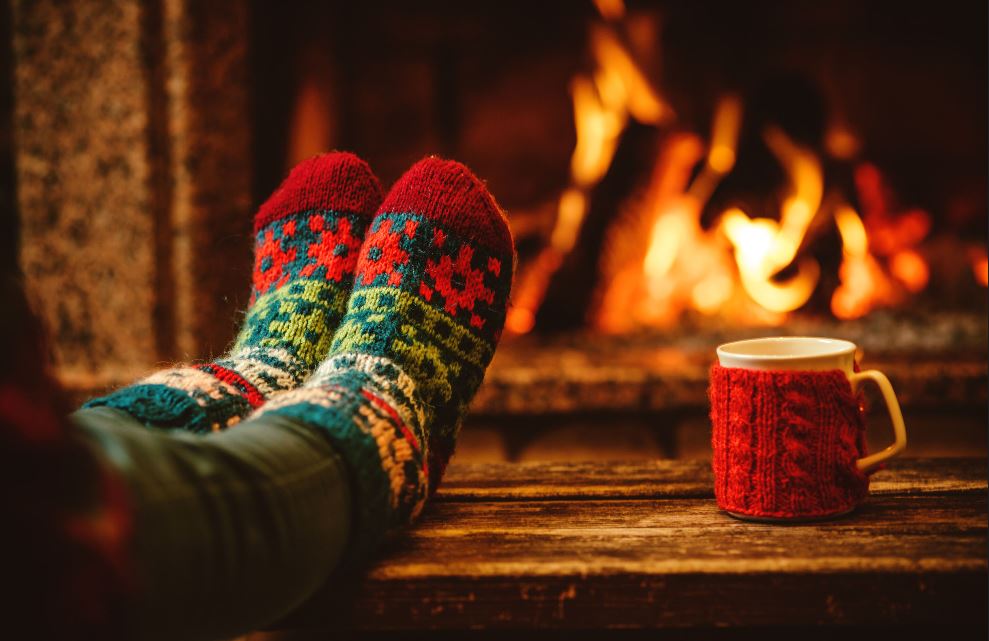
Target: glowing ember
980,266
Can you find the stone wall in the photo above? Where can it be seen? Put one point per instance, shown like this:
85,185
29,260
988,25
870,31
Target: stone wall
132,159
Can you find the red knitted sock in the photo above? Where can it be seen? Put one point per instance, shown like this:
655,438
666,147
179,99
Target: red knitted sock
430,293
308,236
786,443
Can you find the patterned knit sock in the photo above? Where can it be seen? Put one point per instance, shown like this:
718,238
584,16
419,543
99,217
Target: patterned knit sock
422,323
308,236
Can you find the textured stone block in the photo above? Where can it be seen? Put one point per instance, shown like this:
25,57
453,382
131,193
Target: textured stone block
132,139
81,118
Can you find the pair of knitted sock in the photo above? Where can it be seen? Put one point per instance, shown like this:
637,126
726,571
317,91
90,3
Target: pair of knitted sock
372,320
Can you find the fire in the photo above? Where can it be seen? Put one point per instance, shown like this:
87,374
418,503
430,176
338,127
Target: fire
755,266
610,10
863,283
603,100
760,245
599,124
910,269
686,266
721,153
764,246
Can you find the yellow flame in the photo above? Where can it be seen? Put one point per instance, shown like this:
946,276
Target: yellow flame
806,180
598,129
711,293
684,265
724,134
667,236
756,242
763,246
570,214
621,81
854,240
602,104
721,152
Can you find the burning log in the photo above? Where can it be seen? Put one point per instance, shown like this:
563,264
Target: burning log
571,288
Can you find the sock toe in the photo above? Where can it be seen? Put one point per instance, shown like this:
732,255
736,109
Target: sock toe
449,193
337,181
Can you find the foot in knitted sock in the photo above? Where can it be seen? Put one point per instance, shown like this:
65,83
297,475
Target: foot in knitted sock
308,236
422,323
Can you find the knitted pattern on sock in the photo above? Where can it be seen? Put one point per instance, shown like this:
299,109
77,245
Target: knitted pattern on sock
786,442
307,240
427,309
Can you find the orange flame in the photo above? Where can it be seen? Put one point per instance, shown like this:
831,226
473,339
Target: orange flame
908,267
599,123
980,266
764,246
610,10
862,279
721,152
684,264
737,266
603,102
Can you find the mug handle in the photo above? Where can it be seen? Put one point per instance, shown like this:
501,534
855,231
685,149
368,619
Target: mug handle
899,429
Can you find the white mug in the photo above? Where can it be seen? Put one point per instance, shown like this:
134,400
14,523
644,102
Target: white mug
803,353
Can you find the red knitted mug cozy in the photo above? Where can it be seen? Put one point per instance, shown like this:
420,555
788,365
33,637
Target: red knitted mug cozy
786,443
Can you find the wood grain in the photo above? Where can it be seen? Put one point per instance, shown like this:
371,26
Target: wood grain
596,545
671,478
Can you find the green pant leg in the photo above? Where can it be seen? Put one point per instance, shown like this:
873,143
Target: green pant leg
231,530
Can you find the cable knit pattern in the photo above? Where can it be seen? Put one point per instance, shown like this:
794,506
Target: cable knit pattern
786,443
430,293
307,240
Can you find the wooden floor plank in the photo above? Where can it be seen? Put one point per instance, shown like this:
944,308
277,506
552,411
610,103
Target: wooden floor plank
594,546
662,537
671,478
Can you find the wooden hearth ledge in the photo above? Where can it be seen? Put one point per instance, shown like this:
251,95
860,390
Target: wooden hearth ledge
599,545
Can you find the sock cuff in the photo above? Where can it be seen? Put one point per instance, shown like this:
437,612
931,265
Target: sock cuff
385,462
157,405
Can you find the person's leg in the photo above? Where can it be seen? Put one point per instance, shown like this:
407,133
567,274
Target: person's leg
231,531
235,529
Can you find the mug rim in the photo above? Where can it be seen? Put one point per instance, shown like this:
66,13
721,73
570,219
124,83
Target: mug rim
839,347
